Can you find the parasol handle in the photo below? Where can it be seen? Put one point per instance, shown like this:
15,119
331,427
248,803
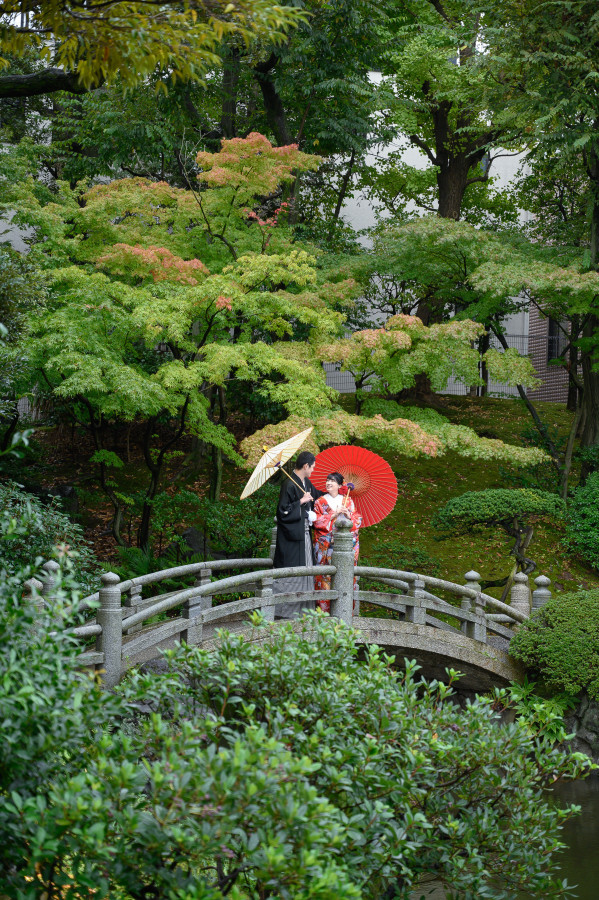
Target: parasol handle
350,487
292,480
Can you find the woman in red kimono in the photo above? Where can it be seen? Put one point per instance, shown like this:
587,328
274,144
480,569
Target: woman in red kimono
327,508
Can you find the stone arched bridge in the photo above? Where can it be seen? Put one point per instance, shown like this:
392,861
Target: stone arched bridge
439,623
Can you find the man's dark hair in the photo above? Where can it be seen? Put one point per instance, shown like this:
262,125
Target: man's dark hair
305,459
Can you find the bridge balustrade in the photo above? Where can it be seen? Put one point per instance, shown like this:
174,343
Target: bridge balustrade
126,631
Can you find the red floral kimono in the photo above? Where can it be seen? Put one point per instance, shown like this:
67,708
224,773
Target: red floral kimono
324,532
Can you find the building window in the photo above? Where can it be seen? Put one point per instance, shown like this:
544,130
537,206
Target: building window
556,340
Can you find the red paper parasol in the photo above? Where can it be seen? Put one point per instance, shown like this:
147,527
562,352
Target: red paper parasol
375,486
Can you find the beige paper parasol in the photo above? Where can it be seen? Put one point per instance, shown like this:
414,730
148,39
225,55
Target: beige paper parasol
273,460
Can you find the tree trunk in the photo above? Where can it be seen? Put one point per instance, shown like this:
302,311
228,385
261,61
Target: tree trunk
485,342
452,181
231,71
216,474
590,395
573,363
590,377
7,436
342,195
143,535
273,105
569,453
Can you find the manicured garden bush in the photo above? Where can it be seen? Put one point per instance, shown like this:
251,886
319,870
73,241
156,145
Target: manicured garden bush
510,510
560,644
582,524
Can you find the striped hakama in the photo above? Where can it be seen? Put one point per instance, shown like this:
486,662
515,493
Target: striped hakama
295,585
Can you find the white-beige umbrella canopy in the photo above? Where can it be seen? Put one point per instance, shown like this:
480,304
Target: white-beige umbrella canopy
273,460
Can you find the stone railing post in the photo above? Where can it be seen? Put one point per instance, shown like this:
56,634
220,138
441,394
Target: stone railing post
264,590
273,541
343,579
541,593
131,606
192,609
475,630
49,579
467,604
32,593
520,594
110,616
416,613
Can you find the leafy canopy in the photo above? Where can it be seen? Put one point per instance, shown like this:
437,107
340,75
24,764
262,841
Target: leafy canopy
394,354
101,39
414,432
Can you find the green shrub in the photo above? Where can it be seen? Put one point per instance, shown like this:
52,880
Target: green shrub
582,523
45,528
560,644
287,768
241,529
498,506
388,409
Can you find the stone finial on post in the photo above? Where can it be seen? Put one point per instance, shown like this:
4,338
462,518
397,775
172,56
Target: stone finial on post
541,593
520,594
476,630
343,579
110,616
32,593
49,579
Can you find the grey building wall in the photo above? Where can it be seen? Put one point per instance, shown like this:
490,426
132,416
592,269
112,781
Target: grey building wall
554,377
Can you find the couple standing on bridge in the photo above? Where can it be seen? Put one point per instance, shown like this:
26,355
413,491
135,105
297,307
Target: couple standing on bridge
302,508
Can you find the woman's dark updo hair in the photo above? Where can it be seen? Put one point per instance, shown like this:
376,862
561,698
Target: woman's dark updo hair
336,476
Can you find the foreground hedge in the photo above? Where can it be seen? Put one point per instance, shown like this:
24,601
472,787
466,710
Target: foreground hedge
287,769
560,644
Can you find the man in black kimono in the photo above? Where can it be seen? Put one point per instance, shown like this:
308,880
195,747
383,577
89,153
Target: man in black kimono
294,542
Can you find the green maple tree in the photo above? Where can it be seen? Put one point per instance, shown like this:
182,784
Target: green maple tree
139,329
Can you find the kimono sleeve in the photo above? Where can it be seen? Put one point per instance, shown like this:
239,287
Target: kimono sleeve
324,517
289,508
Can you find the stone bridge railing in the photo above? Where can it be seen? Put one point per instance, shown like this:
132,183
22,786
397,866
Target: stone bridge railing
124,635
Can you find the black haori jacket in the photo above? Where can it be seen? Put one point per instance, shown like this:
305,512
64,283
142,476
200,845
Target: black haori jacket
291,546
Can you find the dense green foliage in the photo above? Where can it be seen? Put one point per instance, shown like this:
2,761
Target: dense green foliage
131,40
241,529
582,526
44,527
290,767
560,644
